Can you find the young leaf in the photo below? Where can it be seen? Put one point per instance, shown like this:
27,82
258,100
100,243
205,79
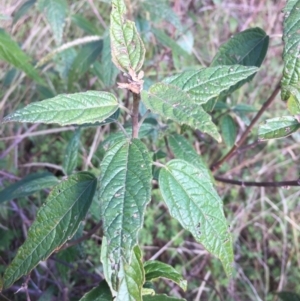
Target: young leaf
127,48
207,83
228,129
131,278
124,193
99,293
173,103
56,222
160,298
67,109
28,185
193,201
11,53
156,269
291,52
278,127
71,154
56,12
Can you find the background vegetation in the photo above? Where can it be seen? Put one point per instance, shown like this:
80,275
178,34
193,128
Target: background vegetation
264,221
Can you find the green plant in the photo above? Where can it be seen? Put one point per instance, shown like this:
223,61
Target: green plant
127,167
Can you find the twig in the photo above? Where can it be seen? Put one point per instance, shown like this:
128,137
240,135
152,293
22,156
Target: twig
144,117
74,267
82,238
122,128
135,115
259,184
217,165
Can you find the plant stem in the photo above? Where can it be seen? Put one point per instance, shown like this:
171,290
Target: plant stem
259,184
135,115
82,238
238,144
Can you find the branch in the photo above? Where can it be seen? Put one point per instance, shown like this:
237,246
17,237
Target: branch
217,165
82,238
135,115
284,184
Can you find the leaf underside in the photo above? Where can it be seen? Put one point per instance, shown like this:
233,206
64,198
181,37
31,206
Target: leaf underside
193,201
68,109
56,222
127,48
156,269
131,278
172,103
124,193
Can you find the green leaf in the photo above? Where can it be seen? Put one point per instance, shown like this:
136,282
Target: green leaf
64,61
131,278
67,109
156,269
87,55
293,105
11,53
24,8
247,48
291,52
228,130
146,129
71,153
112,118
28,185
160,298
127,48
56,222
161,11
169,42
109,71
288,296
193,201
207,83
99,293
124,193
107,268
85,24
182,149
244,108
278,127
172,103
56,13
